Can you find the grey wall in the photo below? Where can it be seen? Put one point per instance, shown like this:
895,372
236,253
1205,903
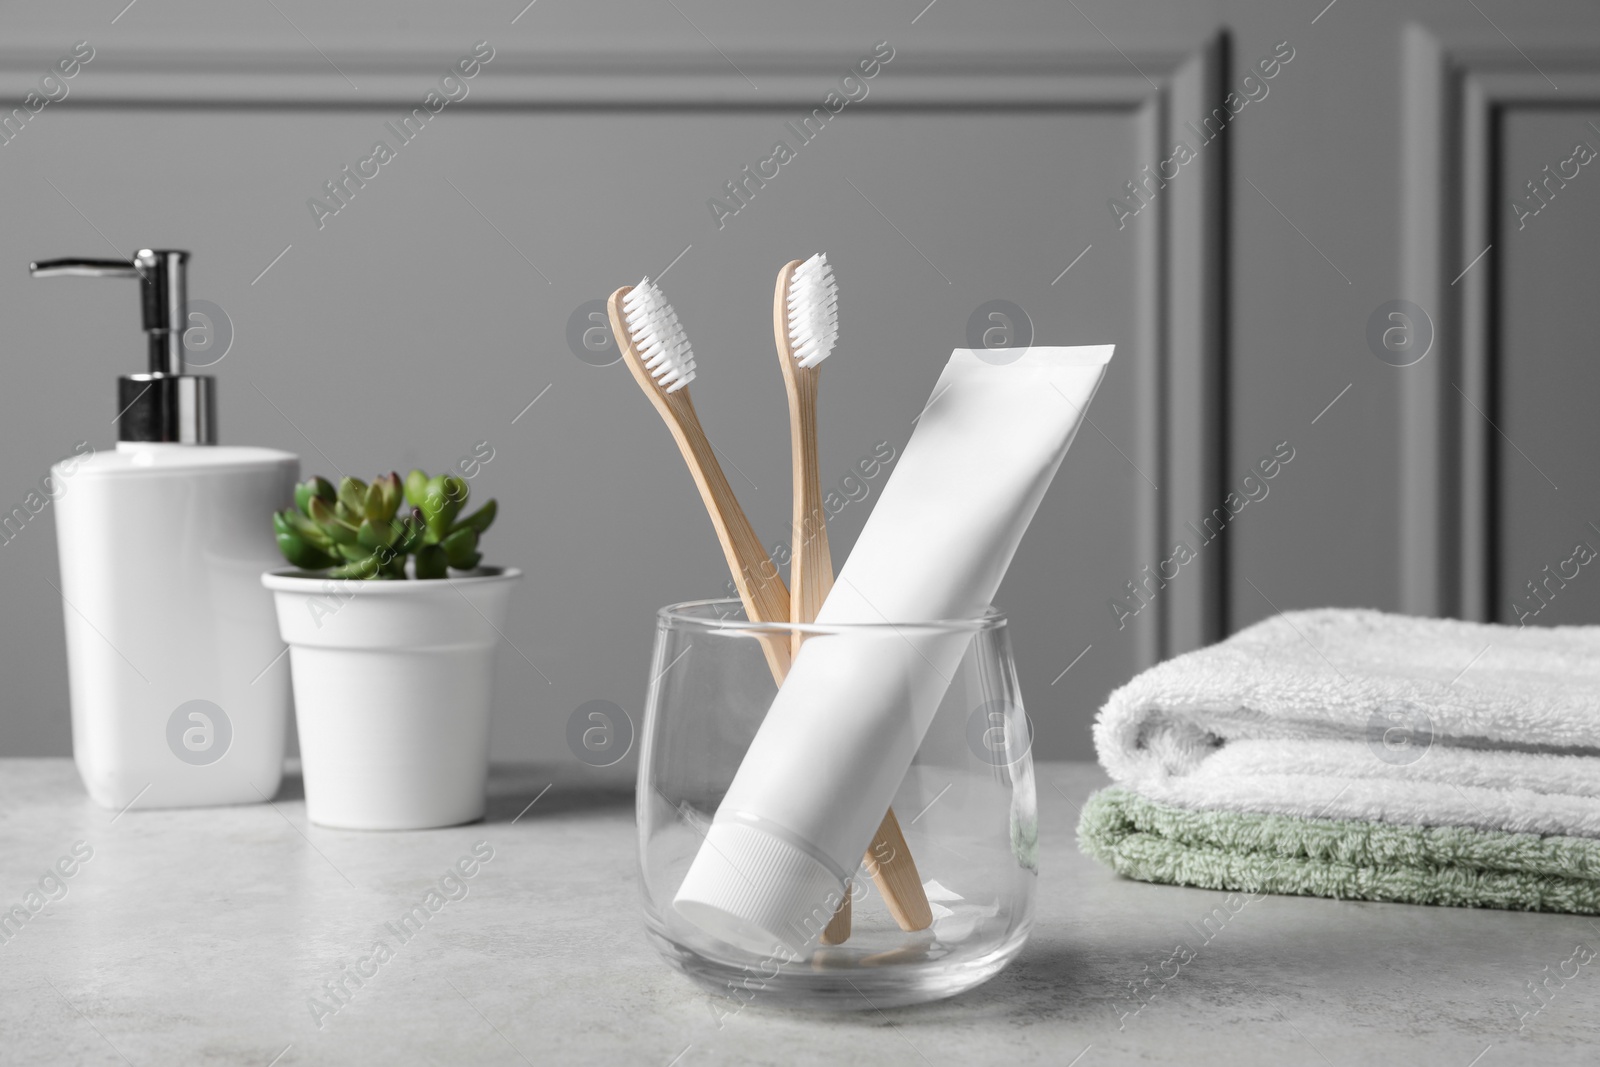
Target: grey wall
1549,378
426,315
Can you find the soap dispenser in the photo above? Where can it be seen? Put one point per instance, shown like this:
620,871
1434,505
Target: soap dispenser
179,685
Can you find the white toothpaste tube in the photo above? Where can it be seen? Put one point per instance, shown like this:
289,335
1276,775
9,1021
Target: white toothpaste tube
844,727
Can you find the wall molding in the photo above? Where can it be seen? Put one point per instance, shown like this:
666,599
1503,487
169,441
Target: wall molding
1177,357
1456,90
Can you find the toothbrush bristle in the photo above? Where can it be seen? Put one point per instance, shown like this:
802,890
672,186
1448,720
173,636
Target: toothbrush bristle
813,311
659,336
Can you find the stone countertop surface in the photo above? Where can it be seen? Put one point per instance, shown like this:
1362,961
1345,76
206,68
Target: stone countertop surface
198,936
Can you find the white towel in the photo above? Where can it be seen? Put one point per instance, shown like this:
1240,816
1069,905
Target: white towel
1361,715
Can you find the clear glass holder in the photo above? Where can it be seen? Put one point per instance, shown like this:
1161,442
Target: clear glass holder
967,808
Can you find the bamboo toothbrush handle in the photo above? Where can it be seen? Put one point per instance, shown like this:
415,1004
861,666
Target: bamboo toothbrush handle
811,567
895,872
761,587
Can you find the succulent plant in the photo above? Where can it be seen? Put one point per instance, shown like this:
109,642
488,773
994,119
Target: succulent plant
359,531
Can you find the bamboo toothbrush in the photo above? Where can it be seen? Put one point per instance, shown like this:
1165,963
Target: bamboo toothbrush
657,352
805,326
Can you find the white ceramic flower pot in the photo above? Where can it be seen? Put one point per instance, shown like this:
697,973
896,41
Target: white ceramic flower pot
392,690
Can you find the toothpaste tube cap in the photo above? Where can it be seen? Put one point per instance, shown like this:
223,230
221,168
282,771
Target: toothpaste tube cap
758,891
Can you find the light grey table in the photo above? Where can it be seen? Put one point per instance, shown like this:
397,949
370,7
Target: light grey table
197,937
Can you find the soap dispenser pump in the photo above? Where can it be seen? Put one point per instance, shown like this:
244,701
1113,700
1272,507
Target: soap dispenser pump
165,404
180,691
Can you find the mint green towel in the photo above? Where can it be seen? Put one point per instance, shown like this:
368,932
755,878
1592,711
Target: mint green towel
1343,859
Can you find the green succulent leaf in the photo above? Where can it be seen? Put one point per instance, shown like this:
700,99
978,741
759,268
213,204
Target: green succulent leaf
336,529
442,503
305,529
353,553
301,530
321,512
416,488
353,494
412,532
315,486
372,506
376,535
298,552
431,562
479,520
461,549
341,532
362,568
390,491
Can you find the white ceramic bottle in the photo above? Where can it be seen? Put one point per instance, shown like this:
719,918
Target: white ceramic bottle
180,693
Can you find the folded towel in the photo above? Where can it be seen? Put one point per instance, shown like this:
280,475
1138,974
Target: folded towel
1359,715
1340,858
